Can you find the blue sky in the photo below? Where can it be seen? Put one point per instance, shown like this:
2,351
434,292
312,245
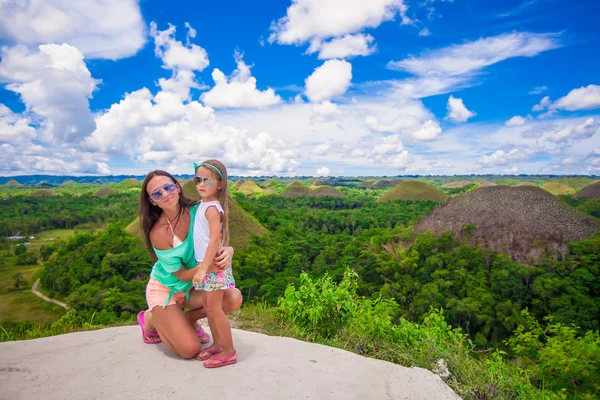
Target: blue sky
302,87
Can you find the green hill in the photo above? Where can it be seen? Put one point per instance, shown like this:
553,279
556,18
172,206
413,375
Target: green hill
130,182
326,191
105,192
295,189
12,183
485,183
525,184
457,184
249,187
238,183
557,188
70,182
413,190
44,193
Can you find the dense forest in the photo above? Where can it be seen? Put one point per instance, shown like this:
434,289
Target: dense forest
481,291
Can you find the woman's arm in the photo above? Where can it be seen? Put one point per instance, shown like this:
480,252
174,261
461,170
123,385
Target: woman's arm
223,258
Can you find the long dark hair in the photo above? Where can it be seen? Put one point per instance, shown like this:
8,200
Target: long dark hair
222,197
150,213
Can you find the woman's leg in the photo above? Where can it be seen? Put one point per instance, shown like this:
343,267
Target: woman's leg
175,330
214,309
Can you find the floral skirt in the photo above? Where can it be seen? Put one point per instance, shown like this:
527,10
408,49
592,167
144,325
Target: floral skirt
218,280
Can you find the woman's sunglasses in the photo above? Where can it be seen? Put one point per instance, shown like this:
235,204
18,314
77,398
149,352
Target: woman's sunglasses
158,193
207,181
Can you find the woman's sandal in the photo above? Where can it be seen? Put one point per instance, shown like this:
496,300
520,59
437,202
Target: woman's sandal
145,333
222,361
208,353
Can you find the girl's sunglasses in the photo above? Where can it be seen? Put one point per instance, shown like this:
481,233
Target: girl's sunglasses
158,193
207,181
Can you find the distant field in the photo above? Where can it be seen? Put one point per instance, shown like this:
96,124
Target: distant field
25,306
50,236
6,274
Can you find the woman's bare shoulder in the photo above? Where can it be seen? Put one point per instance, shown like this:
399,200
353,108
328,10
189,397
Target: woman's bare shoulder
159,237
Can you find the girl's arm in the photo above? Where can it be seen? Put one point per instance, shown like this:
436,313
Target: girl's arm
213,216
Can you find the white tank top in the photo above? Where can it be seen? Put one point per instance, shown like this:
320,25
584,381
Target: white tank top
202,229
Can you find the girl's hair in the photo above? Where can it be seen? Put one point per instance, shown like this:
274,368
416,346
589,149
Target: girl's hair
221,196
150,213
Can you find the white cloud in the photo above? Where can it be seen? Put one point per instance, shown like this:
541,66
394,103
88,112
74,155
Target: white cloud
326,109
584,98
410,118
388,145
329,80
597,151
14,129
500,158
239,91
323,171
55,85
472,56
110,29
166,127
457,112
424,32
543,104
538,89
175,54
512,170
575,131
343,47
321,150
322,19
517,120
571,161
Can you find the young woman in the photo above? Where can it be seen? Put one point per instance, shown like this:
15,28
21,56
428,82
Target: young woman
167,219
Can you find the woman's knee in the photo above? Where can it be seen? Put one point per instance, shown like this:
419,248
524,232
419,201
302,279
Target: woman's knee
233,300
188,349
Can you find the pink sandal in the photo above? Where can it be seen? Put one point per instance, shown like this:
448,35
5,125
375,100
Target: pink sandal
208,353
140,320
223,361
204,337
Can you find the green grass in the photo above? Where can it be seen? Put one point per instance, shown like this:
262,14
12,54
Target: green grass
25,306
7,273
51,236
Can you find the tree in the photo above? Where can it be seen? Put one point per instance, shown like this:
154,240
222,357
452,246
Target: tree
18,280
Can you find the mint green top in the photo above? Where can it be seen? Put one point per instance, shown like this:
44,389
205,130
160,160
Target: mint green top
170,261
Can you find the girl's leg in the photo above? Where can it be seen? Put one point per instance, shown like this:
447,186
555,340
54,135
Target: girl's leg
214,309
214,329
175,330
232,301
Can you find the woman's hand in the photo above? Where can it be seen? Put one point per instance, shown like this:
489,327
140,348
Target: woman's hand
223,258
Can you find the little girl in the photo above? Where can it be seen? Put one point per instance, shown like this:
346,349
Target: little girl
211,229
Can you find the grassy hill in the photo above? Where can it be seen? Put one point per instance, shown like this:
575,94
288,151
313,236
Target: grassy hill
525,223
457,184
525,184
295,189
249,187
12,183
413,190
485,183
105,192
557,188
591,191
326,191
44,192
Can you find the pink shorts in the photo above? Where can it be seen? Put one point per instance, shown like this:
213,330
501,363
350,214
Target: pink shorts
157,293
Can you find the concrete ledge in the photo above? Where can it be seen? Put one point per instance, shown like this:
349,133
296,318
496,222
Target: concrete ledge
114,363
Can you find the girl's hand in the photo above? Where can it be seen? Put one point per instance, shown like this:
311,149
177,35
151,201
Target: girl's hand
198,278
223,258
